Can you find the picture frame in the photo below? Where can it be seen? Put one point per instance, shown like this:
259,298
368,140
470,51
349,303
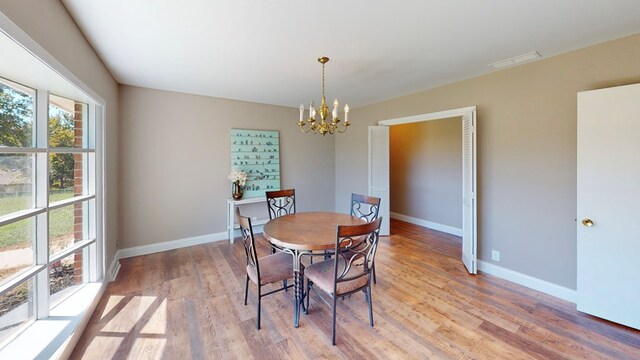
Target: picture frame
257,153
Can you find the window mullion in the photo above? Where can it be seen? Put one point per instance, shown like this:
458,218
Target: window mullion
41,295
96,252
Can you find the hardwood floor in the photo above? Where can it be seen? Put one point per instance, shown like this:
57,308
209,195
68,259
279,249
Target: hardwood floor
188,303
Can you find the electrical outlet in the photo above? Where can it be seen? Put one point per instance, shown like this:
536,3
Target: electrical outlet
495,255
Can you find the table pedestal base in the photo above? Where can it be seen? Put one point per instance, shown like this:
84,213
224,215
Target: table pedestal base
298,282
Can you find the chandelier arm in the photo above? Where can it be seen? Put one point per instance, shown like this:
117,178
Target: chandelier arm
344,128
303,130
306,127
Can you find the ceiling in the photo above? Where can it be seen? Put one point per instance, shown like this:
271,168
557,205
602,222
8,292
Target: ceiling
266,51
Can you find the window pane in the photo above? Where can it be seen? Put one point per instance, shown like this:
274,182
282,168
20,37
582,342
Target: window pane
16,308
16,182
16,114
66,275
67,226
16,248
66,175
66,123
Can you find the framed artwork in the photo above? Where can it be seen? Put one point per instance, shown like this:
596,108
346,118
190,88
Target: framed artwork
257,153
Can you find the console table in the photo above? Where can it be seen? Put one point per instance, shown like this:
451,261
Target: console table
231,214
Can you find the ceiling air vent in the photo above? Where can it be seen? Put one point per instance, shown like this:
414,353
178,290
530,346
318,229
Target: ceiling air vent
515,60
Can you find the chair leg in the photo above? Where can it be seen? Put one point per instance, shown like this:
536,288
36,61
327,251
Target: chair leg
284,285
306,311
370,305
246,290
259,300
333,325
373,269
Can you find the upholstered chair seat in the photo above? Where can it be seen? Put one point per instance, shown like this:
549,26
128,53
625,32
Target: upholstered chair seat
273,268
321,275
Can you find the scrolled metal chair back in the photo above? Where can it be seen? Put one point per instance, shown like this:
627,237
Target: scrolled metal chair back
281,202
248,241
356,247
365,207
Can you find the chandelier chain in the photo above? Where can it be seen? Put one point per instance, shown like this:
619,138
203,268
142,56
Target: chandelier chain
323,80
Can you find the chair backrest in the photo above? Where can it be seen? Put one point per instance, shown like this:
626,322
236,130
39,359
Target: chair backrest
281,202
365,207
356,247
248,241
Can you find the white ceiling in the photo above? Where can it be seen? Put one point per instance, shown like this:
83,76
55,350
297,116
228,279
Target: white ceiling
266,51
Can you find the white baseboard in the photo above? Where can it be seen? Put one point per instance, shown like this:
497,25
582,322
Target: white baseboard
170,245
112,272
428,224
529,281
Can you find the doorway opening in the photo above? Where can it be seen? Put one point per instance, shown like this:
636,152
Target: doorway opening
379,173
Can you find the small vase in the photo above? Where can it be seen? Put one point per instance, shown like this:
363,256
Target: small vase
236,190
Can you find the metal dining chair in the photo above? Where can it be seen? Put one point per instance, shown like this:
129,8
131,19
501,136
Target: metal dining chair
349,271
366,208
265,270
281,202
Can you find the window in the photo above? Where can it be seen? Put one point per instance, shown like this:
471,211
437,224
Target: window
48,221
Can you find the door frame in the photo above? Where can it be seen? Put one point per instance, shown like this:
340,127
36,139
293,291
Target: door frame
469,191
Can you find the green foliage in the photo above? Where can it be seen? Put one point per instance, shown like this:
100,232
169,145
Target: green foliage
16,117
61,127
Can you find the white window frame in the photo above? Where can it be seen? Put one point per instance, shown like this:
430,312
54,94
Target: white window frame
94,247
93,269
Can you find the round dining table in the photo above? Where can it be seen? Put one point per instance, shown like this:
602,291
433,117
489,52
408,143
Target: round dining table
301,234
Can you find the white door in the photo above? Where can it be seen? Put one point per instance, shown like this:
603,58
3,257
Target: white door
469,203
379,172
608,204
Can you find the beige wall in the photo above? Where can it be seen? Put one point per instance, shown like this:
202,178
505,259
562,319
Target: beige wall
49,24
526,151
426,170
175,158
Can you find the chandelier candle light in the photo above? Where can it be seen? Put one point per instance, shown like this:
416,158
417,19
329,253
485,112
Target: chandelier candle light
323,127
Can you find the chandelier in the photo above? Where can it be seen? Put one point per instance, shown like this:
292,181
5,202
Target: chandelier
324,127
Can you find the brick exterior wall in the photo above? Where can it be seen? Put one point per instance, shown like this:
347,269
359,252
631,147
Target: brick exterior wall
77,190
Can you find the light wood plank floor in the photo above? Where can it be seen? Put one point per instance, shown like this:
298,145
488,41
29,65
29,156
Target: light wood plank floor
188,303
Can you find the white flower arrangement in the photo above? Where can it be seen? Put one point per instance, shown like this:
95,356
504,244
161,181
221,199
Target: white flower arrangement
238,176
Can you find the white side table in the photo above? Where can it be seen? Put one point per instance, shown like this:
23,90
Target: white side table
231,214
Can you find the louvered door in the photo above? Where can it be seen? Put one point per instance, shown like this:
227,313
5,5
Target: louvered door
469,228
379,172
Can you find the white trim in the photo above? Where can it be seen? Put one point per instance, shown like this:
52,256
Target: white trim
55,337
114,268
70,201
428,224
529,281
170,245
20,215
430,116
21,150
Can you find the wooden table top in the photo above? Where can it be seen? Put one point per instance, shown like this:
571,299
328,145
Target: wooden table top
307,230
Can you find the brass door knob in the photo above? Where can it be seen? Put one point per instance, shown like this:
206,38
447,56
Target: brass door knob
587,222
